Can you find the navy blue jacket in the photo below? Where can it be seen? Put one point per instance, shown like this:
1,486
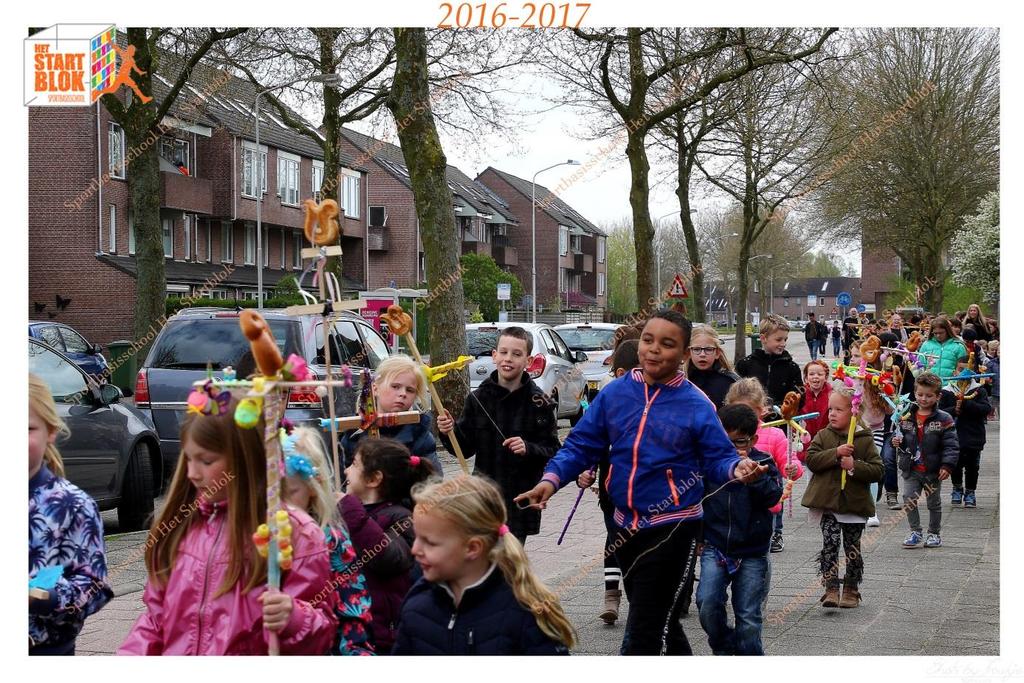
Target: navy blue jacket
737,520
662,441
972,418
418,438
940,447
488,621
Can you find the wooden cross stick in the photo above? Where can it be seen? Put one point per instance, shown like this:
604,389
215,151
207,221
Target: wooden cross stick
348,422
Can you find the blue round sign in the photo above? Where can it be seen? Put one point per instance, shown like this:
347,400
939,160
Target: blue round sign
843,299
862,308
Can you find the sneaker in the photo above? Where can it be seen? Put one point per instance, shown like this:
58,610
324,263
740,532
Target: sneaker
969,500
892,501
777,543
873,521
957,497
933,541
913,540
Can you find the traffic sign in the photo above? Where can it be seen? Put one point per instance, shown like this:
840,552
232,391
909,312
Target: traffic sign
843,299
504,291
678,290
861,308
835,311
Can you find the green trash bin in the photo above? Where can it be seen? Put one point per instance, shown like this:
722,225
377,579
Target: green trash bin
122,376
755,341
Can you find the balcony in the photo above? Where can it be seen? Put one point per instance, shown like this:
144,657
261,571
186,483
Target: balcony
182,192
474,247
583,263
377,239
506,256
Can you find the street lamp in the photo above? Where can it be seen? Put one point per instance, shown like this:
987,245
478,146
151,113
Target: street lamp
533,231
260,169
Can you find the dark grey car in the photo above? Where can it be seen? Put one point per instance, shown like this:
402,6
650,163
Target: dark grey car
200,338
113,452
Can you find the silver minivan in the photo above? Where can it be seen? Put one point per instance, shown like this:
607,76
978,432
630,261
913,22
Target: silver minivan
554,367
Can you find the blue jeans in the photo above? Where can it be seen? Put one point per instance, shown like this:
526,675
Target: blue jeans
777,520
891,481
835,347
749,588
813,346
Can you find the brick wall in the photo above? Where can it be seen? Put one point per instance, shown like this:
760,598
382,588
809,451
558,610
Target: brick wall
878,266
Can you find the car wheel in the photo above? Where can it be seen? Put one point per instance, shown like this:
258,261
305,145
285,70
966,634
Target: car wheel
137,491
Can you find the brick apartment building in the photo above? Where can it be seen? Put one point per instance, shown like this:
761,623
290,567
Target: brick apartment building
82,234
571,251
393,243
879,267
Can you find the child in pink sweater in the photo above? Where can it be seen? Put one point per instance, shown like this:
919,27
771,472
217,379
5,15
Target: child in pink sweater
771,440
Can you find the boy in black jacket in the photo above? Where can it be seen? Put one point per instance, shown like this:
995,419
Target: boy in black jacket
509,423
738,528
772,364
968,403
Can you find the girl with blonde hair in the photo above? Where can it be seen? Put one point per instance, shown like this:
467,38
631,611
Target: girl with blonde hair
478,594
707,367
65,531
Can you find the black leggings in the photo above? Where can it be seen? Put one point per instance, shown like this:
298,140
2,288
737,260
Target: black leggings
654,562
969,462
833,533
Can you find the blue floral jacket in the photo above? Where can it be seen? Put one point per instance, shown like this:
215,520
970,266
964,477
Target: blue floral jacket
352,599
64,528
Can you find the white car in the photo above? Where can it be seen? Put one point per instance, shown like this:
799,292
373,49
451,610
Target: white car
554,367
597,341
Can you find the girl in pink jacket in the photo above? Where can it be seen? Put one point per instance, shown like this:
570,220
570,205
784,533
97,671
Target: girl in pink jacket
206,593
771,440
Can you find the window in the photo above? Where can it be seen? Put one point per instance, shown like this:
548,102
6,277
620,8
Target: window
785,301
346,348
563,241
73,341
821,301
51,336
249,168
209,241
576,244
288,178
64,379
376,348
168,232
600,250
187,221
350,193
174,151
249,255
227,242
297,251
112,230
318,178
115,144
600,284
131,232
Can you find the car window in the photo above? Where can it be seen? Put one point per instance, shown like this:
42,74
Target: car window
73,341
219,342
587,339
346,347
376,348
51,336
563,350
64,379
549,343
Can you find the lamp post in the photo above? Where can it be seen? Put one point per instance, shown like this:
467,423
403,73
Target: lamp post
533,231
260,169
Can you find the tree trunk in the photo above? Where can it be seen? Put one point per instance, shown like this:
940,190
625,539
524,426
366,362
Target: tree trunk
685,170
151,280
330,189
643,230
741,307
427,164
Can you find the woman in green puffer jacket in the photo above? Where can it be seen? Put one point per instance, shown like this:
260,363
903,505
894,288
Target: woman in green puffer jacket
943,350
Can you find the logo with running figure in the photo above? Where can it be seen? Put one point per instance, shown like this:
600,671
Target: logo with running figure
72,65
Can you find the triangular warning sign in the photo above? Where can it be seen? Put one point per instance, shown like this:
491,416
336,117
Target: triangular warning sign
678,290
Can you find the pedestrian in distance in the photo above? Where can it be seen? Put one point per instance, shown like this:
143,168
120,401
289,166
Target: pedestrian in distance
65,530
812,335
377,510
837,337
206,592
478,595
658,466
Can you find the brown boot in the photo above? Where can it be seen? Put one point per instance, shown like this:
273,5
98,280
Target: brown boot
831,597
612,597
851,597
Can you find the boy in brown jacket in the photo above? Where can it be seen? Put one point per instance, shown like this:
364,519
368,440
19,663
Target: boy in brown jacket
841,510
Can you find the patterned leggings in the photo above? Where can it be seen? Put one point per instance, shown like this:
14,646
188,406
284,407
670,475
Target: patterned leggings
832,532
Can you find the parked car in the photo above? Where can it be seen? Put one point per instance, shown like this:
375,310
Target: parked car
113,451
797,324
66,340
596,341
196,339
554,367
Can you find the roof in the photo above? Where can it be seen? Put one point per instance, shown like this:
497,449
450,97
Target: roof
223,100
466,192
182,272
815,286
550,203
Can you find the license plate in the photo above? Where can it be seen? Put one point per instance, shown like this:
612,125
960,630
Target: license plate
593,384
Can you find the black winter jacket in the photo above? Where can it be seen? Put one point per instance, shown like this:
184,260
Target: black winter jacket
737,520
714,382
972,418
939,448
526,412
488,621
778,373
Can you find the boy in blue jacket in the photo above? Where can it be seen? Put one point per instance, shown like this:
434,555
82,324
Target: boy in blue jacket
737,533
663,439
